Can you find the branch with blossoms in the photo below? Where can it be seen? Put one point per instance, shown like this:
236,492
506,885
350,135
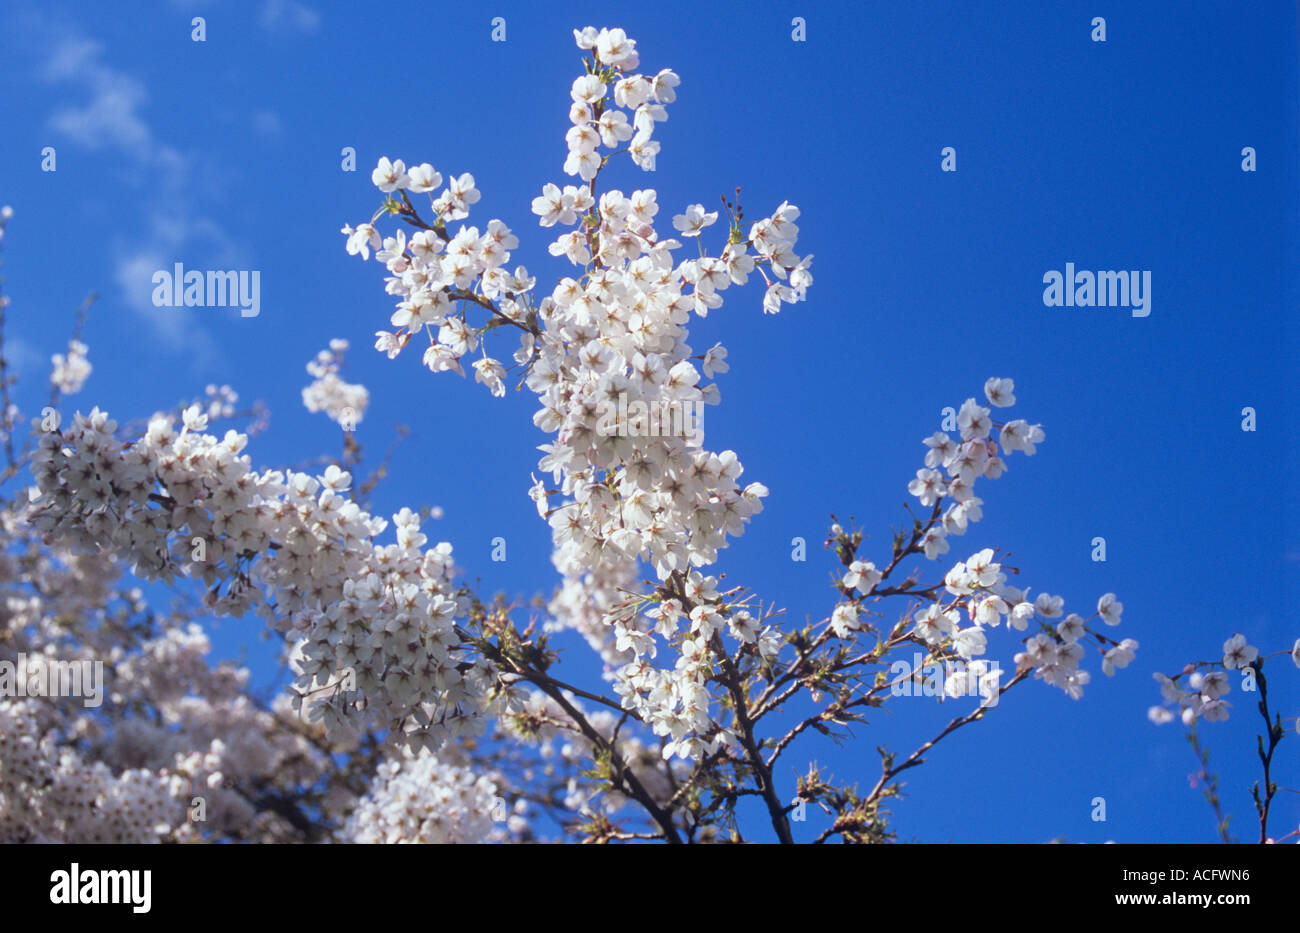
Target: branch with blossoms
169,731
180,749
1201,698
832,658
628,498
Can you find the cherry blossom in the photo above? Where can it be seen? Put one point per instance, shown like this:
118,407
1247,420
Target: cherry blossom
450,710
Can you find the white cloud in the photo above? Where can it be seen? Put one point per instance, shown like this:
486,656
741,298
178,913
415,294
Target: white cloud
23,358
112,119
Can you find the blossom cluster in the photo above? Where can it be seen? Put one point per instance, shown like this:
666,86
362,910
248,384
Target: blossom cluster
171,728
1203,695
614,57
617,334
63,797
70,372
292,547
343,402
221,401
978,585
427,799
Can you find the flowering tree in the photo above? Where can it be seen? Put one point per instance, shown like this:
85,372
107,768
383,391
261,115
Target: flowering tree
423,712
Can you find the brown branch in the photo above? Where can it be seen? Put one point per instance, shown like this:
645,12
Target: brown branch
1275,733
622,776
915,758
775,810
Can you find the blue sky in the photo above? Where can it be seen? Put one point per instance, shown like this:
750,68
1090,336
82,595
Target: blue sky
1123,154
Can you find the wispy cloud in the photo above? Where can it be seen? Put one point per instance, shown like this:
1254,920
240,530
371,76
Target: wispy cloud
289,16
170,236
111,118
24,359
266,123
